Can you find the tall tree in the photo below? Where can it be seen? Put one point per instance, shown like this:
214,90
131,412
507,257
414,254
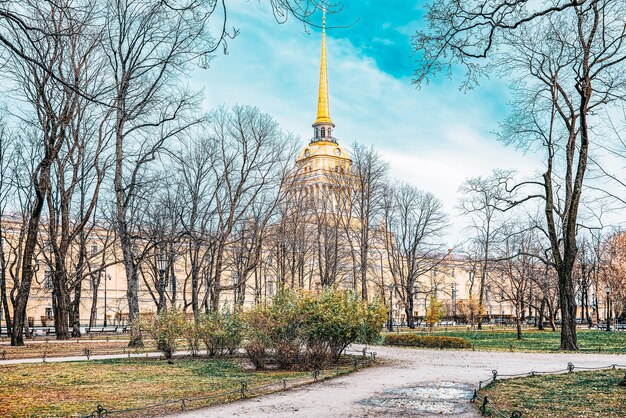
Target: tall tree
149,45
415,223
483,200
562,77
54,106
371,178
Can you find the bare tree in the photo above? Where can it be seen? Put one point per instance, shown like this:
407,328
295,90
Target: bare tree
613,271
8,154
415,222
197,185
483,200
563,77
464,32
55,109
77,174
291,247
515,266
252,156
331,247
370,180
148,46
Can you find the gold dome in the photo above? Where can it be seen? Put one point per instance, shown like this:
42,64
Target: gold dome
324,149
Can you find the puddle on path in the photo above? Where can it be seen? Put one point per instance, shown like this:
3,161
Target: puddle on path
442,398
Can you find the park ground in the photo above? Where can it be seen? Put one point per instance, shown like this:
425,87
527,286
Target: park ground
505,339
404,381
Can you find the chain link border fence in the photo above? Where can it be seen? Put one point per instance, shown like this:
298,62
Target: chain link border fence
485,406
244,391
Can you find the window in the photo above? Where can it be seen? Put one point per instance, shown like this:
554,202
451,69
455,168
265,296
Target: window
47,280
49,312
94,249
270,288
323,132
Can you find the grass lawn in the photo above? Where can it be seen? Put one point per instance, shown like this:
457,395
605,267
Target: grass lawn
72,348
76,388
539,341
578,394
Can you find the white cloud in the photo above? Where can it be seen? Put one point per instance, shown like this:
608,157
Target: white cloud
433,138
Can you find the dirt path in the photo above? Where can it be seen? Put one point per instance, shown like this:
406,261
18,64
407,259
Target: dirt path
407,382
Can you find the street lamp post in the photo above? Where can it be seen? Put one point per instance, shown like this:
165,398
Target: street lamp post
416,300
454,303
106,279
390,324
607,289
161,264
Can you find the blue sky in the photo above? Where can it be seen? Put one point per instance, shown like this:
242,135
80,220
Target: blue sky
433,138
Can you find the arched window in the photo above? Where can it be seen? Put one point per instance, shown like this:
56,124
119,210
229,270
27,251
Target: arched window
329,135
323,132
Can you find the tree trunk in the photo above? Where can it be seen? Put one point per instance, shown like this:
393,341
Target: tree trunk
94,300
126,244
3,291
75,311
551,319
410,320
363,266
32,231
567,298
216,288
518,322
60,306
483,276
542,311
195,273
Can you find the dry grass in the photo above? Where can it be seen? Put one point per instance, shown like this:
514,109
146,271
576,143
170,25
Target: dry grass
69,348
76,388
589,341
578,394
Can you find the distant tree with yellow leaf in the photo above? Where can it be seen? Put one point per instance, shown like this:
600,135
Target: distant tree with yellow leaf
434,312
470,310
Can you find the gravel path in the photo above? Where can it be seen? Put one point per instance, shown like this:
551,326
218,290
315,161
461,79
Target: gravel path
406,382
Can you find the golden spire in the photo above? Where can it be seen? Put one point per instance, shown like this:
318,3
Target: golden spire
323,104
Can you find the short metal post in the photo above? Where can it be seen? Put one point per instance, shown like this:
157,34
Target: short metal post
483,407
100,412
244,386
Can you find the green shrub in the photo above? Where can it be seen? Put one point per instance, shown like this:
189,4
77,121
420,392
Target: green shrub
426,341
307,330
233,330
257,326
165,328
210,331
335,319
221,332
191,332
285,334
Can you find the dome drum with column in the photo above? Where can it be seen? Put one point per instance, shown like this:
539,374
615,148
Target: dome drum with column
326,150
